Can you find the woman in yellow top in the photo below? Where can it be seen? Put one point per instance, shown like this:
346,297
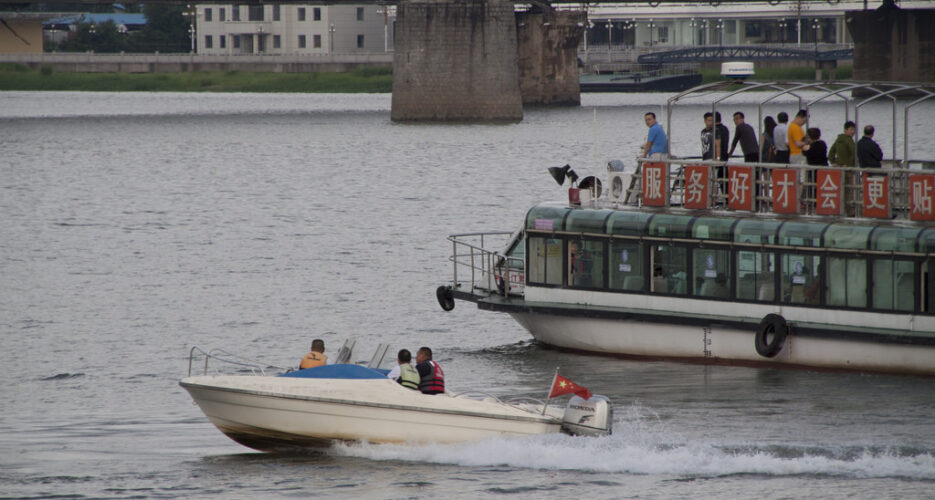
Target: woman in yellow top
316,357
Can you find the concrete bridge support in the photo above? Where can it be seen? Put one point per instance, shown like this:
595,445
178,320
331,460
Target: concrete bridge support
548,57
456,60
892,44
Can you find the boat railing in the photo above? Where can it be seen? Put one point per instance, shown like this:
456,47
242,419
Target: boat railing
490,270
861,189
222,356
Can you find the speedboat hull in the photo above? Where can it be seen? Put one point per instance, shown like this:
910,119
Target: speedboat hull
272,413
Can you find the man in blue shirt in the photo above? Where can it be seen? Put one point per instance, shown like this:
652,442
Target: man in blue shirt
656,146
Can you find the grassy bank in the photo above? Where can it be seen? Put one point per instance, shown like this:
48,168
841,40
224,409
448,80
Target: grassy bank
802,73
370,79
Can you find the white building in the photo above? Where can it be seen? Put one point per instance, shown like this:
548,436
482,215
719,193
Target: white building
312,29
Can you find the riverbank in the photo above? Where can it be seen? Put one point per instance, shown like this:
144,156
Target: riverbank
361,80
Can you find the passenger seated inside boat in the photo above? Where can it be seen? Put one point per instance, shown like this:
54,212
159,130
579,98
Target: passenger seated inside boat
403,373
431,376
316,357
660,283
579,265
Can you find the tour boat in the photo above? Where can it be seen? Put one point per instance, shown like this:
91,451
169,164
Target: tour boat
316,407
752,264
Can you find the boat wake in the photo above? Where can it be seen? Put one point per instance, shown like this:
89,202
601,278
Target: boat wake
636,449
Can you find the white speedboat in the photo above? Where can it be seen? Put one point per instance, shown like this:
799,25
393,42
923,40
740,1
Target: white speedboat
318,406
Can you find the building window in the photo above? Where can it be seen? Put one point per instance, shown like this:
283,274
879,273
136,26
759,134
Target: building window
222,41
222,14
235,13
360,41
208,15
301,13
255,13
663,34
209,43
236,41
276,12
301,41
316,41
316,14
277,42
360,13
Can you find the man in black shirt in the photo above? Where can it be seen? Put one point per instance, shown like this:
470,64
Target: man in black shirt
869,153
745,134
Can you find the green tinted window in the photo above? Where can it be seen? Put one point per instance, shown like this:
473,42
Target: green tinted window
586,221
712,273
626,266
545,260
800,279
670,269
896,239
847,236
586,263
801,234
546,218
713,228
894,284
756,276
670,226
628,223
927,241
756,231
847,282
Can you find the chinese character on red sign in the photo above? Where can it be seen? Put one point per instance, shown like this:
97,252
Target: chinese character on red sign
740,188
655,184
922,196
696,186
876,196
830,195
785,191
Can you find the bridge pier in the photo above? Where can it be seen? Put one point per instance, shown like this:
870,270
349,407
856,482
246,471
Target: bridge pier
893,45
456,60
548,56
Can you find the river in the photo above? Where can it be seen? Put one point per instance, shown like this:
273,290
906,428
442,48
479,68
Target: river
136,225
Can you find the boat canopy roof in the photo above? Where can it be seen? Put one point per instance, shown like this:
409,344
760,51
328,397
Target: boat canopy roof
866,234
337,371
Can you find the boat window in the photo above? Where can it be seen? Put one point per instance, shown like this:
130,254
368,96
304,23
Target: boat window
712,272
517,252
895,239
756,276
847,236
628,223
762,232
586,263
894,284
626,266
670,269
713,228
546,218
545,260
928,285
800,279
586,221
670,226
927,242
847,282
801,234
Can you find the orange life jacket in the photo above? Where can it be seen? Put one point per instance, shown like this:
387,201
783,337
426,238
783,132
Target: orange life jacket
313,359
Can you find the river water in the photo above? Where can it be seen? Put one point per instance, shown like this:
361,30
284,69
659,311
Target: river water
135,226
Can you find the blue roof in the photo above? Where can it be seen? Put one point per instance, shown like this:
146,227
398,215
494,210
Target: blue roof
336,371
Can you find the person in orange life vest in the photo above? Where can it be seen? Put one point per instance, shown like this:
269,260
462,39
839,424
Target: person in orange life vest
316,357
431,376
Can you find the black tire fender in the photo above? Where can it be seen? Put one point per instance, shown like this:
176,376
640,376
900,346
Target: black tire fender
771,335
445,298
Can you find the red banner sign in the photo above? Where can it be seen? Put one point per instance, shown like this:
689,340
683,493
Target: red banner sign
740,188
922,196
655,184
785,190
830,196
697,186
876,197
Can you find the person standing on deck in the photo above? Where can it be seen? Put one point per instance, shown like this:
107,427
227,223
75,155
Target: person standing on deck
869,154
796,138
656,147
745,134
843,151
723,134
780,138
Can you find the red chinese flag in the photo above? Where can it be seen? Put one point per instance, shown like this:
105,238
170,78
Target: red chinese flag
564,386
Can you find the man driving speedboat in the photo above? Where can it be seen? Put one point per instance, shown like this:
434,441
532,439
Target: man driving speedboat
431,376
316,357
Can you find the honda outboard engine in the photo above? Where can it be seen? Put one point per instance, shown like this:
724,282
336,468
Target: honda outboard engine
588,417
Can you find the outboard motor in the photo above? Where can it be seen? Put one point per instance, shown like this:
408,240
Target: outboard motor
588,417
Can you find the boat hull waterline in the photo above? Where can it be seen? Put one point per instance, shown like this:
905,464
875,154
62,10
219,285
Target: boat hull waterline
270,413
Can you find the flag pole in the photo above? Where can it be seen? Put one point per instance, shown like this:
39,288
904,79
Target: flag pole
549,395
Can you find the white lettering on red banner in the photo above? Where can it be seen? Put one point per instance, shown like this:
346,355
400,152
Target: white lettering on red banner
696,186
655,185
876,196
785,190
740,188
830,195
922,196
